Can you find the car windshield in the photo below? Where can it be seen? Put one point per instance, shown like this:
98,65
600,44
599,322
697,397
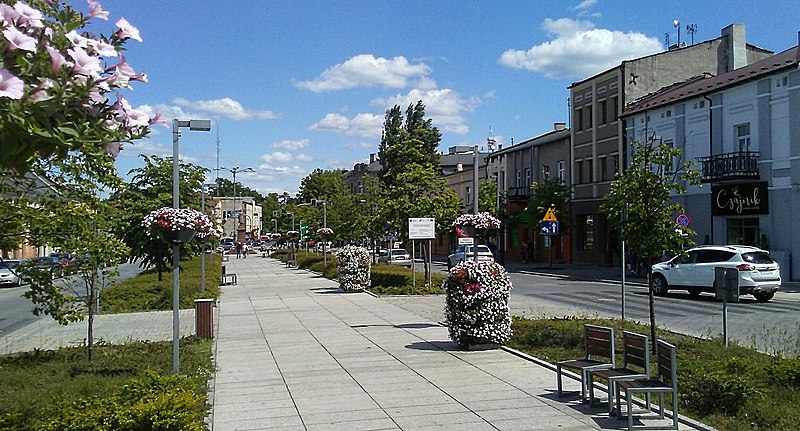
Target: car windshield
759,257
482,249
10,264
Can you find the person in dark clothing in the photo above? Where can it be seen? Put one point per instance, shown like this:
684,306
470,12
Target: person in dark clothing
238,249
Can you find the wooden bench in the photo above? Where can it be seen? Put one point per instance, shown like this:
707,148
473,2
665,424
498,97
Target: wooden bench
598,348
635,365
666,383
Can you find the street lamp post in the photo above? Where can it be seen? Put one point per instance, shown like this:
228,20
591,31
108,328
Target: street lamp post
475,196
324,225
234,171
200,125
203,245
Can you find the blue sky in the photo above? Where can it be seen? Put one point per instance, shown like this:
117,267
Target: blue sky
296,85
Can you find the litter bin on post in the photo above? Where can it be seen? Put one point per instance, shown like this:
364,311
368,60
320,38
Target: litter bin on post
204,317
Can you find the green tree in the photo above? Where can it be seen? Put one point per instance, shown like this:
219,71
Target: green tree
321,184
410,184
551,193
151,188
640,207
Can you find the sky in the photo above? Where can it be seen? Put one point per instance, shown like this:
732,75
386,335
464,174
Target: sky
291,86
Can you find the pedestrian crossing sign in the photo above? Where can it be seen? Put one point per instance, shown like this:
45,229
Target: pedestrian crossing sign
550,215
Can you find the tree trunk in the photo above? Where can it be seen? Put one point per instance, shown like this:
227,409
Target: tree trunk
92,301
425,251
651,303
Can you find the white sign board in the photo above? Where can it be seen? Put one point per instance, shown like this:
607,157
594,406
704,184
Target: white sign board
421,228
466,241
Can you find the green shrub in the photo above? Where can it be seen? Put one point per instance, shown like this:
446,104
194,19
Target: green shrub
718,391
785,372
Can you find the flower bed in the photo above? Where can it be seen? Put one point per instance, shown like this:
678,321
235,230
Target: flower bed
476,304
354,268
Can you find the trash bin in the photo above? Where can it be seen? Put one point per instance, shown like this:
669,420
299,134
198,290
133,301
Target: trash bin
204,317
726,284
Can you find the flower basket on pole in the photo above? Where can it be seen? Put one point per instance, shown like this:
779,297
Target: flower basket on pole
178,225
477,224
354,268
476,305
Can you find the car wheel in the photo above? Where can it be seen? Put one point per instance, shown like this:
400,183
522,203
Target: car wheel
694,291
660,286
764,296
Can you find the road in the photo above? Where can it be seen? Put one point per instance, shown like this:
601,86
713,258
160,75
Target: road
15,310
770,326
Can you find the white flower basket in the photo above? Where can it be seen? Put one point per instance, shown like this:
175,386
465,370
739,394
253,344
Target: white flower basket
476,304
354,268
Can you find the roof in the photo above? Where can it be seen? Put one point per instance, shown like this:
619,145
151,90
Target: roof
699,86
546,138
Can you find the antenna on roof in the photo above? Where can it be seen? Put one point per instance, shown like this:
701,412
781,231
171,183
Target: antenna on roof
490,141
691,29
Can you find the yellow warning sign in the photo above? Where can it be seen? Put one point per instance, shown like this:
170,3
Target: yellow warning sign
550,215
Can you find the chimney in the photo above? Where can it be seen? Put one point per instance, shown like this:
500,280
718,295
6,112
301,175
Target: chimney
735,49
372,157
559,126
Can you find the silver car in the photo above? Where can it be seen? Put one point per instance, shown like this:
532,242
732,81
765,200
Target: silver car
464,252
759,275
395,256
8,273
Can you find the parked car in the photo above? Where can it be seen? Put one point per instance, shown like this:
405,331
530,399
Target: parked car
49,263
69,263
464,252
226,244
8,273
759,275
395,256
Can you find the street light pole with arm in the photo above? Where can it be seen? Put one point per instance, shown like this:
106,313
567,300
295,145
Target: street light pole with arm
234,171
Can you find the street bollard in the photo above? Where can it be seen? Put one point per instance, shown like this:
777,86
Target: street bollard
204,317
726,287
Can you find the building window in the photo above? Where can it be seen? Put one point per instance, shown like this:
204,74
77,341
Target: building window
615,164
468,198
589,117
590,165
586,232
528,177
614,108
672,166
743,136
561,171
604,112
519,178
603,169
579,117
545,172
579,171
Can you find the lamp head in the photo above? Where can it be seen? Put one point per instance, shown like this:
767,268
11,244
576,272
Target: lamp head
676,23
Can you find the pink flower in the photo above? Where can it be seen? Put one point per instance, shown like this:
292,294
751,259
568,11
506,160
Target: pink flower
18,40
29,16
77,40
96,11
8,14
122,67
39,94
159,119
102,48
57,60
127,31
113,148
10,86
85,64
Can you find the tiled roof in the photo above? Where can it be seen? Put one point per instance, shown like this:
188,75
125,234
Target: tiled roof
695,87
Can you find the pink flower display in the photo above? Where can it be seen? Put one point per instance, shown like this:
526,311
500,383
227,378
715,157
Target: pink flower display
18,40
127,31
10,86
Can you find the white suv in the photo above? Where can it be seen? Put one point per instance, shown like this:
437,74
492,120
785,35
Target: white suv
464,252
759,275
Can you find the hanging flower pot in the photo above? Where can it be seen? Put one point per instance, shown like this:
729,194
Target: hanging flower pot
476,305
178,225
181,236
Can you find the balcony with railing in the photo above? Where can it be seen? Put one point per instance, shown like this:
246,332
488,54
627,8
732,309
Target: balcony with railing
740,165
518,194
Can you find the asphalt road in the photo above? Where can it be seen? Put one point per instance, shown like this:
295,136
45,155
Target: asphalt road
16,311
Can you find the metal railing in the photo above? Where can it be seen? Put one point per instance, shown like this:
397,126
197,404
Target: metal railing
730,166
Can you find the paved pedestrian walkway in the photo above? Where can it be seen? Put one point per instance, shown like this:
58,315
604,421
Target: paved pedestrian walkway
293,352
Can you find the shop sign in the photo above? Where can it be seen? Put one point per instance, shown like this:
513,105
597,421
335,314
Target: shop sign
740,199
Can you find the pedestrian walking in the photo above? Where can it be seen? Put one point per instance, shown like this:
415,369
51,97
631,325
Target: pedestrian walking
245,249
238,249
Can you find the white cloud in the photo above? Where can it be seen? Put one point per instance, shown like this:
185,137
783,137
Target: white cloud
579,50
444,106
365,70
303,158
289,145
585,4
366,125
225,107
276,157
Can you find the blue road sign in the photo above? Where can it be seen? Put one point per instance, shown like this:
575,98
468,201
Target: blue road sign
548,227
